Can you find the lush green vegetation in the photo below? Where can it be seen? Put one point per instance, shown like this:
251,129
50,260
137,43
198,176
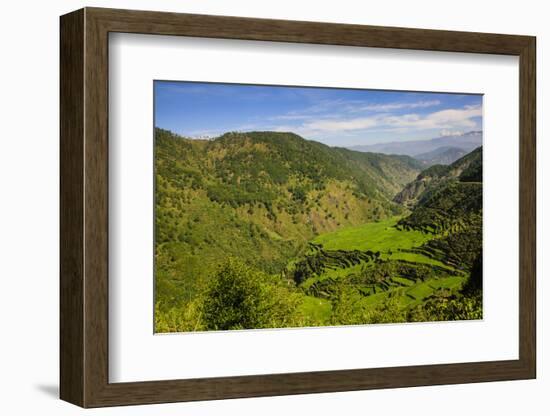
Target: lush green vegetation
259,197
264,229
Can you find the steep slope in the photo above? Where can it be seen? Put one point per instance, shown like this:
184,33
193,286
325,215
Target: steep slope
453,214
451,204
466,169
451,209
467,142
259,196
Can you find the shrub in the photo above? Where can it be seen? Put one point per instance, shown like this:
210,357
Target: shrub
239,297
178,319
454,308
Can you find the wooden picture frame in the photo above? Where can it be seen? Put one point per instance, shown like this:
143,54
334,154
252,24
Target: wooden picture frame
84,207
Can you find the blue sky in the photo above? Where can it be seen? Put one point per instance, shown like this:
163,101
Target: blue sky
337,117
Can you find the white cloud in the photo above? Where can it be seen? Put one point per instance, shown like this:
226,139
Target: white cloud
333,108
447,132
397,106
291,117
339,125
342,124
447,120
456,117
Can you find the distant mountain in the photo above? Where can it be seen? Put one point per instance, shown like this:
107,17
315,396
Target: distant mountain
467,142
444,155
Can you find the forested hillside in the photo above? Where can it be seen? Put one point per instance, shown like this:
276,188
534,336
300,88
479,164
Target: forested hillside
466,169
260,197
267,229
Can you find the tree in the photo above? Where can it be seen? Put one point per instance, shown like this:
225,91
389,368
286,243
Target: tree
474,285
239,297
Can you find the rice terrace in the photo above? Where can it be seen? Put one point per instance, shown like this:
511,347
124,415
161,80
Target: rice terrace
300,207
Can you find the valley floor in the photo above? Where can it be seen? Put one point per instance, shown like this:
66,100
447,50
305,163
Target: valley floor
406,278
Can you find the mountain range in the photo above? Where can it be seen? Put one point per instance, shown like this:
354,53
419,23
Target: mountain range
444,155
330,235
422,149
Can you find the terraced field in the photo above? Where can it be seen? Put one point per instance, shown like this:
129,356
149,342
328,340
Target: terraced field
381,236
392,268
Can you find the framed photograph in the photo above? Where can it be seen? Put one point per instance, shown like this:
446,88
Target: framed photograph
255,207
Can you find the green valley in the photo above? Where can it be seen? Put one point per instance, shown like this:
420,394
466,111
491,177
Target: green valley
267,229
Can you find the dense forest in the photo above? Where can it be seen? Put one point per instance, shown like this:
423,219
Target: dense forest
266,229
